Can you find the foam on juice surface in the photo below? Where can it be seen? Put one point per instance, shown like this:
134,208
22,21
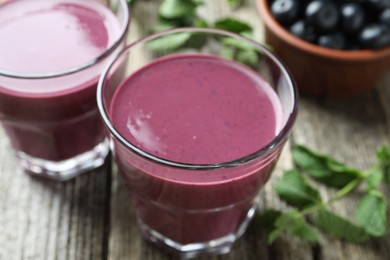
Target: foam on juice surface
196,109
45,36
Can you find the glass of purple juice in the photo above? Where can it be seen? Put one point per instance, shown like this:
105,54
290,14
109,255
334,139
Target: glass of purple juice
52,54
195,129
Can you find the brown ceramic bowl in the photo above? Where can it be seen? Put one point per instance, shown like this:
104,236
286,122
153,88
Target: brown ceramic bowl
321,71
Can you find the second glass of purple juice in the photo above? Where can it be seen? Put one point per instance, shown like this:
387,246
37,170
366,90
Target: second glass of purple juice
52,54
196,131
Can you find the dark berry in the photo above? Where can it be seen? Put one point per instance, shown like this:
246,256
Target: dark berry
322,15
301,30
337,24
334,40
285,11
352,17
384,17
377,5
352,45
374,36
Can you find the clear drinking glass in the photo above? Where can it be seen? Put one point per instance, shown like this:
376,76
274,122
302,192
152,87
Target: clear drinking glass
53,52
203,201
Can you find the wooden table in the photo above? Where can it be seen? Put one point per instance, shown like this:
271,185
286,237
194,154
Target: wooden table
90,217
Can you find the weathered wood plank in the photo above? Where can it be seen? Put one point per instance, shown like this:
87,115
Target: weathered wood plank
41,219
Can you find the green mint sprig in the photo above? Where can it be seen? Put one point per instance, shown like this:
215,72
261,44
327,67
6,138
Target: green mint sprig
294,188
182,13
131,2
383,165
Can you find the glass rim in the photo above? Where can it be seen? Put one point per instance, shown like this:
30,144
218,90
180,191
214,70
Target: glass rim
265,150
85,65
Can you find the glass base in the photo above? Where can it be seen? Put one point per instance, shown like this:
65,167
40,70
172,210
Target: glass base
66,169
220,245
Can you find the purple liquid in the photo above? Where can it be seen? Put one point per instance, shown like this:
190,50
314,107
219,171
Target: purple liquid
195,109
56,118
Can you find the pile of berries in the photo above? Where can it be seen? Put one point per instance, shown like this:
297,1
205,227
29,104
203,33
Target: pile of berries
336,24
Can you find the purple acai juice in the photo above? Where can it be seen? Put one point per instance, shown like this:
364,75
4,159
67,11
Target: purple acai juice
194,109
53,118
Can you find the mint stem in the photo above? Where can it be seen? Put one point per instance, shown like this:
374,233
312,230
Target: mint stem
312,209
340,194
345,190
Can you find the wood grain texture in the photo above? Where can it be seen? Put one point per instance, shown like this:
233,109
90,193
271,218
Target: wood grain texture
41,219
91,217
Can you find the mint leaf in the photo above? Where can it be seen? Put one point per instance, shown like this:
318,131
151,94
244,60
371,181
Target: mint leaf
374,178
233,25
371,213
340,227
191,40
267,219
241,51
201,23
383,157
236,43
323,168
294,189
227,52
162,26
169,42
248,57
131,2
175,9
198,2
196,41
235,2
293,223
